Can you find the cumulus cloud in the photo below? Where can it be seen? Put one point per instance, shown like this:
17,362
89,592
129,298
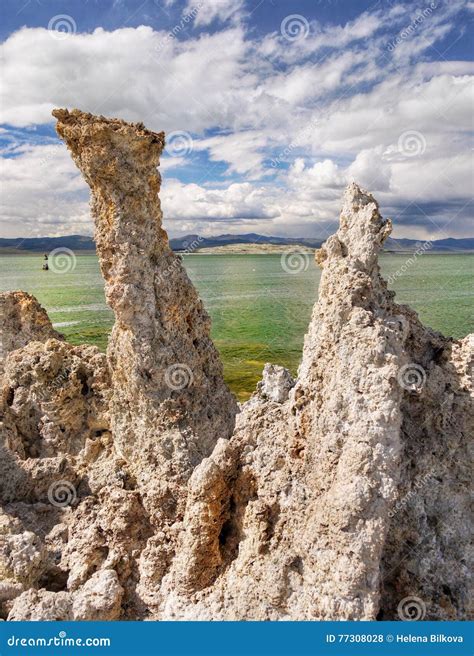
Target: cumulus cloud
277,127
143,75
42,193
244,152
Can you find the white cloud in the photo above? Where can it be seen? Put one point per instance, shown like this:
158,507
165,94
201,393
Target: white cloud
371,170
291,121
238,201
43,193
243,151
143,75
210,10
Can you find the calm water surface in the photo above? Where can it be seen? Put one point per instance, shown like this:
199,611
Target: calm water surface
260,312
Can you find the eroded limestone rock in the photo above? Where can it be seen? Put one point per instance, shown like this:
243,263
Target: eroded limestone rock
22,320
335,496
170,403
276,383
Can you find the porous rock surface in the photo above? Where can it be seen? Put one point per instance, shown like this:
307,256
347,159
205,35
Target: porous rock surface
22,320
132,489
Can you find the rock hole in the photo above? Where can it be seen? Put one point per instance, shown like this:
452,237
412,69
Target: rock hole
447,591
54,580
297,565
226,530
10,396
83,380
229,536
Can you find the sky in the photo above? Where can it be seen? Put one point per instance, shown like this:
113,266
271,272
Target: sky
270,108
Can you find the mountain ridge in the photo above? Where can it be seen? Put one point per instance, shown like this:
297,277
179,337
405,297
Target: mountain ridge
193,243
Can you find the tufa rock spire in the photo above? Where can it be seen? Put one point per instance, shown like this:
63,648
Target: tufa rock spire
169,403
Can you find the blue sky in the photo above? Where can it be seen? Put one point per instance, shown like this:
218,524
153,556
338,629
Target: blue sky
270,108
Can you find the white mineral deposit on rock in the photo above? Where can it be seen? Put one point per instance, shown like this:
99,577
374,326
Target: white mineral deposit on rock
132,489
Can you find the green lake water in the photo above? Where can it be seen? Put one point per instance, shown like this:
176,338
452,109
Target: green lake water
259,310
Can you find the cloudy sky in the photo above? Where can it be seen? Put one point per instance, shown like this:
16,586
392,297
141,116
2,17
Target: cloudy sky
270,108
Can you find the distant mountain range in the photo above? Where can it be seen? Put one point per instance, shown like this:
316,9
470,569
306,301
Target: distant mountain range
193,243
46,244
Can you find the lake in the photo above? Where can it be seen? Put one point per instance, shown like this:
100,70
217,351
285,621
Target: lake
259,308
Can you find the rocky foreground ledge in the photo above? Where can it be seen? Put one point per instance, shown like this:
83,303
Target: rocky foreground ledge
133,488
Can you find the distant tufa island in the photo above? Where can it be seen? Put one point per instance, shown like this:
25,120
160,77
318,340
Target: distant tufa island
247,243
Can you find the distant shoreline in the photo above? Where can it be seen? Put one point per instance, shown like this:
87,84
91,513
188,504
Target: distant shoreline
229,244
218,250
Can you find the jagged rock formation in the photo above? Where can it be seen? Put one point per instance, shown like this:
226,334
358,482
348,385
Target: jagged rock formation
169,402
22,320
127,491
